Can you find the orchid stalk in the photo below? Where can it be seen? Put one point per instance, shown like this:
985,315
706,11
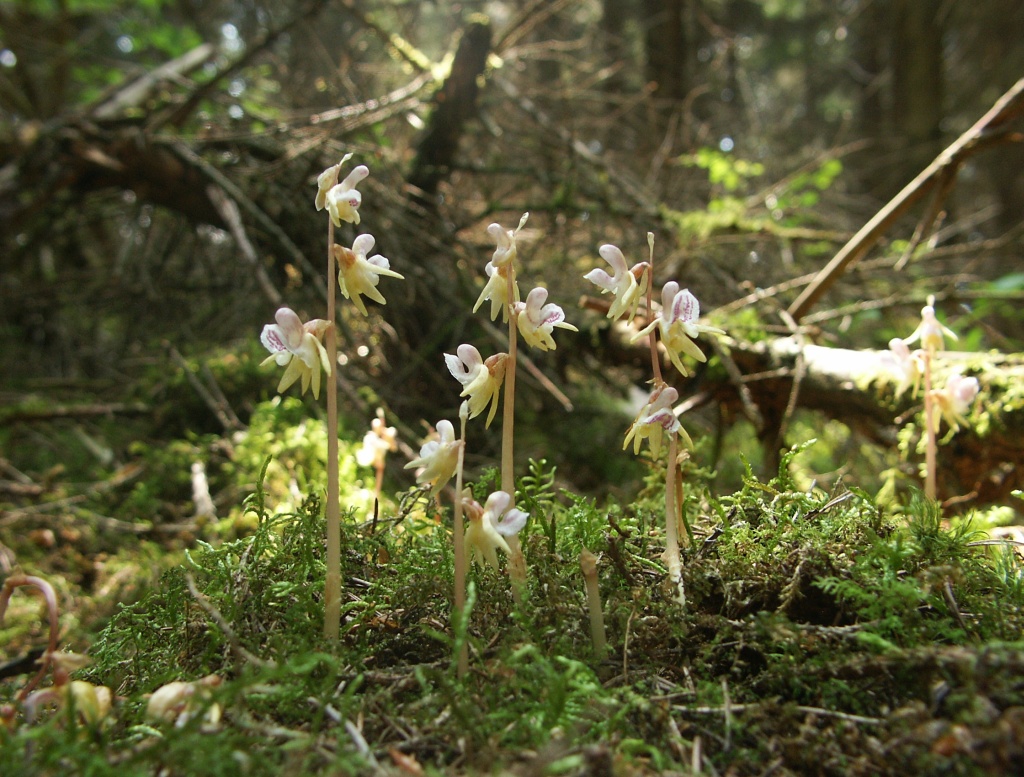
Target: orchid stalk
332,580
356,274
678,324
931,333
459,537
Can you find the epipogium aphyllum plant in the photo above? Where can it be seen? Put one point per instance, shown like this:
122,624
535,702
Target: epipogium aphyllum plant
677,324
950,402
299,345
534,319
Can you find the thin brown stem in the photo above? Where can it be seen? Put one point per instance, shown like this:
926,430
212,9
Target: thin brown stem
930,450
516,560
462,660
332,582
655,360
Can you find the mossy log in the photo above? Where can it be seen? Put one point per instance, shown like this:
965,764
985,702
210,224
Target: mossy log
978,464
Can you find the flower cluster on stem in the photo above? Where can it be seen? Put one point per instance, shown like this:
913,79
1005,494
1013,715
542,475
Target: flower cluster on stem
678,325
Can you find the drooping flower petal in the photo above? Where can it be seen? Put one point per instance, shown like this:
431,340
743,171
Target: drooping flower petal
931,332
626,284
487,528
343,199
496,290
505,253
655,420
905,366
535,319
438,458
481,380
359,275
298,348
954,400
327,180
678,324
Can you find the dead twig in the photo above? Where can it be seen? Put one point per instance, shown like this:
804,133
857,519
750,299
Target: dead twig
982,134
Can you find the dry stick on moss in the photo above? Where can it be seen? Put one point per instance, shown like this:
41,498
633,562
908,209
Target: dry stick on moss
332,581
588,564
234,643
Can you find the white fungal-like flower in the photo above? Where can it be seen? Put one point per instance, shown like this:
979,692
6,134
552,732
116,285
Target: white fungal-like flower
297,347
438,458
481,380
359,274
488,526
678,325
627,284
655,420
535,319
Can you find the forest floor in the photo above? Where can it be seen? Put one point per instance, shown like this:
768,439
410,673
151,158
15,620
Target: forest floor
817,633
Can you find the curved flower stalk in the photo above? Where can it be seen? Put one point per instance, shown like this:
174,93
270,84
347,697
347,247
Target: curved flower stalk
536,319
656,419
490,525
342,200
626,284
438,458
297,347
677,323
481,380
501,287
359,274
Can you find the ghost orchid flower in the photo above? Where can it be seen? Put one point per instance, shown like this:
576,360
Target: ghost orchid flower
931,331
489,525
377,442
327,180
905,365
297,347
955,400
342,200
656,419
505,253
481,380
358,275
496,290
678,324
536,319
626,284
438,458
498,269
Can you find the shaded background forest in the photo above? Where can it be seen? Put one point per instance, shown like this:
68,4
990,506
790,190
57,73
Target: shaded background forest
159,161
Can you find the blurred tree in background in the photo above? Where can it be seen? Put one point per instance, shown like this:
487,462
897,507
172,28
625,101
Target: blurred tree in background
157,162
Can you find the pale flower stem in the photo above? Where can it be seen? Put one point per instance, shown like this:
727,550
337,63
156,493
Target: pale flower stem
332,582
459,534
588,564
671,555
930,451
655,361
516,560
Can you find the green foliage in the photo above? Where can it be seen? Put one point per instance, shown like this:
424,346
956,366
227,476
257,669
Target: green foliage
724,170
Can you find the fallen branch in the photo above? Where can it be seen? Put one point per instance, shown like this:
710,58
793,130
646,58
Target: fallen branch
984,132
